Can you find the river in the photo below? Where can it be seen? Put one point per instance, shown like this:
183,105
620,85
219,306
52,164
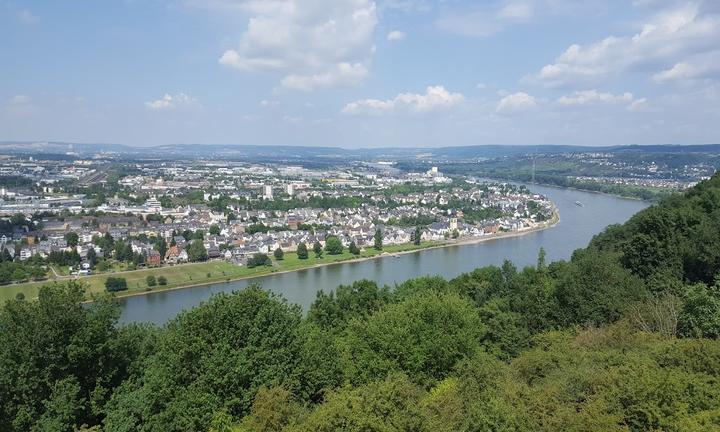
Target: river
578,224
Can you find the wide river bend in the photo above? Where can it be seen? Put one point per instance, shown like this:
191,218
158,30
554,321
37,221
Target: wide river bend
578,224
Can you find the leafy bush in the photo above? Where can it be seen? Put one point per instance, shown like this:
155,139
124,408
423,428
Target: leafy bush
115,284
259,259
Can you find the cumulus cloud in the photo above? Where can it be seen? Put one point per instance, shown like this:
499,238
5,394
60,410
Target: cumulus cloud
314,43
395,35
435,97
667,39
516,102
170,102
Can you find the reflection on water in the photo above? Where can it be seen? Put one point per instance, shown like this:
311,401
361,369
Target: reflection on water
577,226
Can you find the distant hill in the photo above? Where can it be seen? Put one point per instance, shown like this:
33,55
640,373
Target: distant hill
229,151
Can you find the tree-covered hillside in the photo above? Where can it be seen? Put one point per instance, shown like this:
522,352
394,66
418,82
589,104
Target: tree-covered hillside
622,337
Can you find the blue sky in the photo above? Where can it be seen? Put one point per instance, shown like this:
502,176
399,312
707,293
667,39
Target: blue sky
361,73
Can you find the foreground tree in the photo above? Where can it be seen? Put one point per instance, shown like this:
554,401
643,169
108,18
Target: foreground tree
238,343
406,337
60,360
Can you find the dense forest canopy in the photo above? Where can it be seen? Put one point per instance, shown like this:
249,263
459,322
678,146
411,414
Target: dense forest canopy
622,337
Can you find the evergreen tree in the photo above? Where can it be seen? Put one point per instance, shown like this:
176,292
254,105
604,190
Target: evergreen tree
91,257
302,251
279,254
541,259
416,236
354,249
378,239
161,246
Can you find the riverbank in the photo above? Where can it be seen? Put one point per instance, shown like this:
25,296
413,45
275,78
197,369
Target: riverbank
656,193
185,276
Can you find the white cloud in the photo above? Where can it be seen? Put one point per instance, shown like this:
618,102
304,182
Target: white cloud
682,70
704,65
516,102
591,97
342,73
169,102
395,35
314,43
435,97
667,39
268,103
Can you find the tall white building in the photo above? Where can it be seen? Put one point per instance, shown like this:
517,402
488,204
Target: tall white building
267,192
290,189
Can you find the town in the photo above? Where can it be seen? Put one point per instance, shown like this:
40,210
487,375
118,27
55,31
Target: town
81,217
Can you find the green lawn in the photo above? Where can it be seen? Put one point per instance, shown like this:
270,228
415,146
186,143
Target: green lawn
200,273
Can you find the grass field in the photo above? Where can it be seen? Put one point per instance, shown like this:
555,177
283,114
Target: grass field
201,273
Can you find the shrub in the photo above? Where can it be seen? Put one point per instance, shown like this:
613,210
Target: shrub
259,259
114,284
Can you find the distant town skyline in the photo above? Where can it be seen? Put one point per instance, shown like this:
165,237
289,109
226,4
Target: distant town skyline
361,73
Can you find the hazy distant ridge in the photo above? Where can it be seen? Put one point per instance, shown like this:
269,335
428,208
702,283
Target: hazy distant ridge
291,152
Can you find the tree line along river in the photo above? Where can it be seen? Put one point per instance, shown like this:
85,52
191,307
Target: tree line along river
582,215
